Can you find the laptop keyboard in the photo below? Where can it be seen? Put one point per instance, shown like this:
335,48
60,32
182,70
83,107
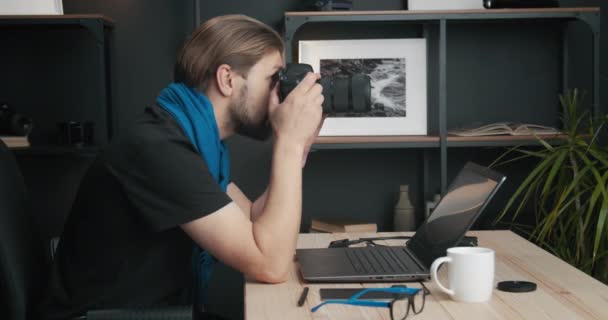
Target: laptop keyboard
378,260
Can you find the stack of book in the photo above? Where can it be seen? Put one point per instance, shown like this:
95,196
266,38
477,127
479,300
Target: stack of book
341,225
15,141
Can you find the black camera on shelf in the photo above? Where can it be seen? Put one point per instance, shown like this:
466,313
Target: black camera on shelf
13,123
342,95
76,133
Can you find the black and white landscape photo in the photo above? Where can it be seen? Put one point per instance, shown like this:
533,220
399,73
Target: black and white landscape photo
388,94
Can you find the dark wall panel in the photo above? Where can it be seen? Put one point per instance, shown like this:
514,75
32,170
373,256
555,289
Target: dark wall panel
493,70
146,36
50,75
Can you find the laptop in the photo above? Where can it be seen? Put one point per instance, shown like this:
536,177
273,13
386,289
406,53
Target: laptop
466,197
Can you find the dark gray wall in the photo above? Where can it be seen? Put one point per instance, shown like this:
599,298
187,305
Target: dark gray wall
495,72
498,72
145,39
147,36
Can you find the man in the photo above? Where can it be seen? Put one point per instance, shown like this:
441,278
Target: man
164,183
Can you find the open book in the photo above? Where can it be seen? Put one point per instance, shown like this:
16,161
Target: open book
505,128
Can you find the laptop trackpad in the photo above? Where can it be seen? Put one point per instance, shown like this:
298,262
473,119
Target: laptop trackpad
324,262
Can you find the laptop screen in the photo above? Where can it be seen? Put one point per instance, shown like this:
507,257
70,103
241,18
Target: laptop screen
466,197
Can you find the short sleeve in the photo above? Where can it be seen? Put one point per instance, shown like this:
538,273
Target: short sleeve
165,179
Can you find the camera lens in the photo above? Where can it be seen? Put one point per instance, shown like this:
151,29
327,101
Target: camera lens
342,95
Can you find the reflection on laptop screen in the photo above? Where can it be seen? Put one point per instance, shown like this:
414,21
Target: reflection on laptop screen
454,215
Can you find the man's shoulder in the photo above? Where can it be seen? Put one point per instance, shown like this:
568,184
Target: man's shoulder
154,126
153,134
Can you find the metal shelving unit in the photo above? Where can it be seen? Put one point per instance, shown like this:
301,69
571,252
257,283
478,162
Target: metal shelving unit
589,15
377,142
99,27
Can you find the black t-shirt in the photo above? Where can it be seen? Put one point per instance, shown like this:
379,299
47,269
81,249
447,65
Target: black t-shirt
122,245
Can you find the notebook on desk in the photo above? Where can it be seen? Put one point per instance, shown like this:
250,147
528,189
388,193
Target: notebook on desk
467,196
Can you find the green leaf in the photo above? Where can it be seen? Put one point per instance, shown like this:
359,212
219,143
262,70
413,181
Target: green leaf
601,183
601,225
593,201
553,217
561,205
600,155
555,168
498,162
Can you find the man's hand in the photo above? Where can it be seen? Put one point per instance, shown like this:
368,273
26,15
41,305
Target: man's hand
311,141
297,120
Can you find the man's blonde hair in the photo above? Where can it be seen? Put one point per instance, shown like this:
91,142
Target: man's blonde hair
236,40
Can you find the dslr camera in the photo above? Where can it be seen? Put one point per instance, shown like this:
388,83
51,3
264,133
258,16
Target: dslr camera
350,94
12,123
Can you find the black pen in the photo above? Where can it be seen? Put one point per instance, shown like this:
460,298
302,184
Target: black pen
303,297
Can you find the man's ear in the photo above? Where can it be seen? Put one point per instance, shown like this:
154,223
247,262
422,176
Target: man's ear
224,77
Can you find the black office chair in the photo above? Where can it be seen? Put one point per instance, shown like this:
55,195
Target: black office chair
23,268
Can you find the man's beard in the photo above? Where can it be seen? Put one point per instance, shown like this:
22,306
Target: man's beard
244,124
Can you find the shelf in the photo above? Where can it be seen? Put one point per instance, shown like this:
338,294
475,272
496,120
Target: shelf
376,142
294,20
503,141
97,24
427,21
82,43
63,19
529,13
56,151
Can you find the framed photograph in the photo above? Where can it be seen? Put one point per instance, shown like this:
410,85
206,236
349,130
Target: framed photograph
31,7
397,69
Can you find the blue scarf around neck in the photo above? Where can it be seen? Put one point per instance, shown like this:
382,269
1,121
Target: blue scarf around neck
194,113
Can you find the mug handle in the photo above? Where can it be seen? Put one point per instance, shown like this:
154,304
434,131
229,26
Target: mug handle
434,268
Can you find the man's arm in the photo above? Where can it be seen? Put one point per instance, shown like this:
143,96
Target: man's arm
252,210
255,209
264,248
258,206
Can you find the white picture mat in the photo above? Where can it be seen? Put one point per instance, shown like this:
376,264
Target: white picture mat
444,5
414,53
31,7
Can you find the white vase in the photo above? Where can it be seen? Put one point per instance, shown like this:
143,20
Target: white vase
404,218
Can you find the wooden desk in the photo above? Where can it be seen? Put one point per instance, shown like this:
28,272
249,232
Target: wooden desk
563,291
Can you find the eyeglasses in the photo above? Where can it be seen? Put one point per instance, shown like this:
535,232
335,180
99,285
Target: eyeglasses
404,300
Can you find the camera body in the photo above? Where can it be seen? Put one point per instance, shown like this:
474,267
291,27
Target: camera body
13,123
342,95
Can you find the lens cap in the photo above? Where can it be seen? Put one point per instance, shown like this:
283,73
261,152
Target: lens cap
516,286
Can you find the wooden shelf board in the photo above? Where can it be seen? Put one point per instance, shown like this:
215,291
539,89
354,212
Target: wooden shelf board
376,139
59,17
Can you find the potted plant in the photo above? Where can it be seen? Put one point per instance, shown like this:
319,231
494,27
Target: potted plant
569,187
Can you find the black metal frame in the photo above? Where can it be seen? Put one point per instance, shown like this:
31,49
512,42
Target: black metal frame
590,16
99,27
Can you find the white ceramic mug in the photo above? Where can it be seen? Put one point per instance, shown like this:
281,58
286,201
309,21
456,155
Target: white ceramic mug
470,273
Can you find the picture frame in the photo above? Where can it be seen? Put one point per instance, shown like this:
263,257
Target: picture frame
397,68
31,7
